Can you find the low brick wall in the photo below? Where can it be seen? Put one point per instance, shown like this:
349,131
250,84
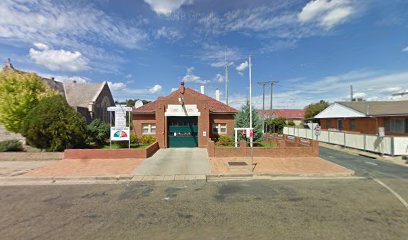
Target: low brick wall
296,148
30,156
111,153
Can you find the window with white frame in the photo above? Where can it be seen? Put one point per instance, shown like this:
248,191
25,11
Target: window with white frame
148,128
220,128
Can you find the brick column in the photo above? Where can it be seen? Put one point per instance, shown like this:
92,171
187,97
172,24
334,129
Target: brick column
203,124
161,125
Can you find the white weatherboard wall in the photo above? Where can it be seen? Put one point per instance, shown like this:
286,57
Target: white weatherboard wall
389,145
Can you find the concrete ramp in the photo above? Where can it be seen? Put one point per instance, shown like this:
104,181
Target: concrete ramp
176,161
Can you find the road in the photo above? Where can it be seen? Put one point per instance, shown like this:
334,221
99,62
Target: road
261,209
393,175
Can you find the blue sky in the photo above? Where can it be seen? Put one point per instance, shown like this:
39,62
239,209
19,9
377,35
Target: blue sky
144,48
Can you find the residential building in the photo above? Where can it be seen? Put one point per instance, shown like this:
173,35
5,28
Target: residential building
89,99
185,118
368,117
295,115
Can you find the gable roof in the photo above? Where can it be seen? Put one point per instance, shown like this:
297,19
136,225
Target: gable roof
284,113
213,105
379,108
82,94
337,110
365,109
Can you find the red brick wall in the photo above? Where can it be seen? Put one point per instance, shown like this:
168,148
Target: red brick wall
363,125
222,118
283,150
111,153
140,119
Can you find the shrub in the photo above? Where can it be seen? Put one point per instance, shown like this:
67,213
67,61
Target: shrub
53,125
291,123
133,137
11,146
98,132
276,125
224,140
147,139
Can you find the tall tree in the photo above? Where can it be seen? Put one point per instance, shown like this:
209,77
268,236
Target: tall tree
313,109
242,121
53,125
19,93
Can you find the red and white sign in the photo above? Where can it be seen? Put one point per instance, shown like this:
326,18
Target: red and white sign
317,130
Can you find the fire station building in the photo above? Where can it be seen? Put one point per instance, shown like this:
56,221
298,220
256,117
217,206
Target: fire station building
185,118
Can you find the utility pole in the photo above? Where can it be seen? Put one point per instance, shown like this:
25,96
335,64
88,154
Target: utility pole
271,82
351,93
263,104
226,79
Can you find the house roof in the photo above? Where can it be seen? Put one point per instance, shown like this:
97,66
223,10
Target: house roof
284,113
213,105
81,94
379,108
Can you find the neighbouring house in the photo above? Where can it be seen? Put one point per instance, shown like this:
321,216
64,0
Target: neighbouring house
89,99
366,117
185,118
296,115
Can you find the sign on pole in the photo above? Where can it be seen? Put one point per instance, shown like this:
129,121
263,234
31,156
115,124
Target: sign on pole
120,134
317,130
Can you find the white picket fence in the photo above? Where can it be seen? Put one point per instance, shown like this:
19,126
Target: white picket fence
390,145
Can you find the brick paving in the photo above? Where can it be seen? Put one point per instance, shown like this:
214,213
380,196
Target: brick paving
88,167
278,166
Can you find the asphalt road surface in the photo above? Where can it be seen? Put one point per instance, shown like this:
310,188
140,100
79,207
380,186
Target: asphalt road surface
307,209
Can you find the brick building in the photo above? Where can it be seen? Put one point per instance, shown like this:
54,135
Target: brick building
89,99
185,118
295,115
366,117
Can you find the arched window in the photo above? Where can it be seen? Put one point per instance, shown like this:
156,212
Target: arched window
104,108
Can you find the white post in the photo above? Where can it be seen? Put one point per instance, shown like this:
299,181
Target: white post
250,96
236,138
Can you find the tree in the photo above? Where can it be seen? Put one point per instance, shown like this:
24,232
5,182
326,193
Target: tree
313,109
53,125
276,125
98,132
19,93
242,121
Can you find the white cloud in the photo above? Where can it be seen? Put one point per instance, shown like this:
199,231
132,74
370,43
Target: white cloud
173,89
405,49
168,33
215,55
155,89
70,24
166,7
59,59
241,67
41,46
327,13
70,79
191,78
117,86
219,78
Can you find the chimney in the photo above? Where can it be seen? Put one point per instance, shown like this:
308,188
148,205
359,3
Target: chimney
202,89
217,94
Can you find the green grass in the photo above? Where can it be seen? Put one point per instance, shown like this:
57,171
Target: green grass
267,145
117,146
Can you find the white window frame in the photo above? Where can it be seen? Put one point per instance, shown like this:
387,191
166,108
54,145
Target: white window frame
150,127
217,127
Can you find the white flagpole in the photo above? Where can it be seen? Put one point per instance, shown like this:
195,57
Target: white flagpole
250,92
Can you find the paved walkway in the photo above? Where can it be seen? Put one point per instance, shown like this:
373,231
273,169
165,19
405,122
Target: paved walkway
176,161
16,168
304,166
88,167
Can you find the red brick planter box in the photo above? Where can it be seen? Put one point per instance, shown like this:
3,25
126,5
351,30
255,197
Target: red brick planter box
111,153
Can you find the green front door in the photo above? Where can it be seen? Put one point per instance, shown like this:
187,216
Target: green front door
182,132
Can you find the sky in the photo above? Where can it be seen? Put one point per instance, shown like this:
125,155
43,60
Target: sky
144,48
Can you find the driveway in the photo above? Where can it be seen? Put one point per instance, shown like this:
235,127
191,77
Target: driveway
176,161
